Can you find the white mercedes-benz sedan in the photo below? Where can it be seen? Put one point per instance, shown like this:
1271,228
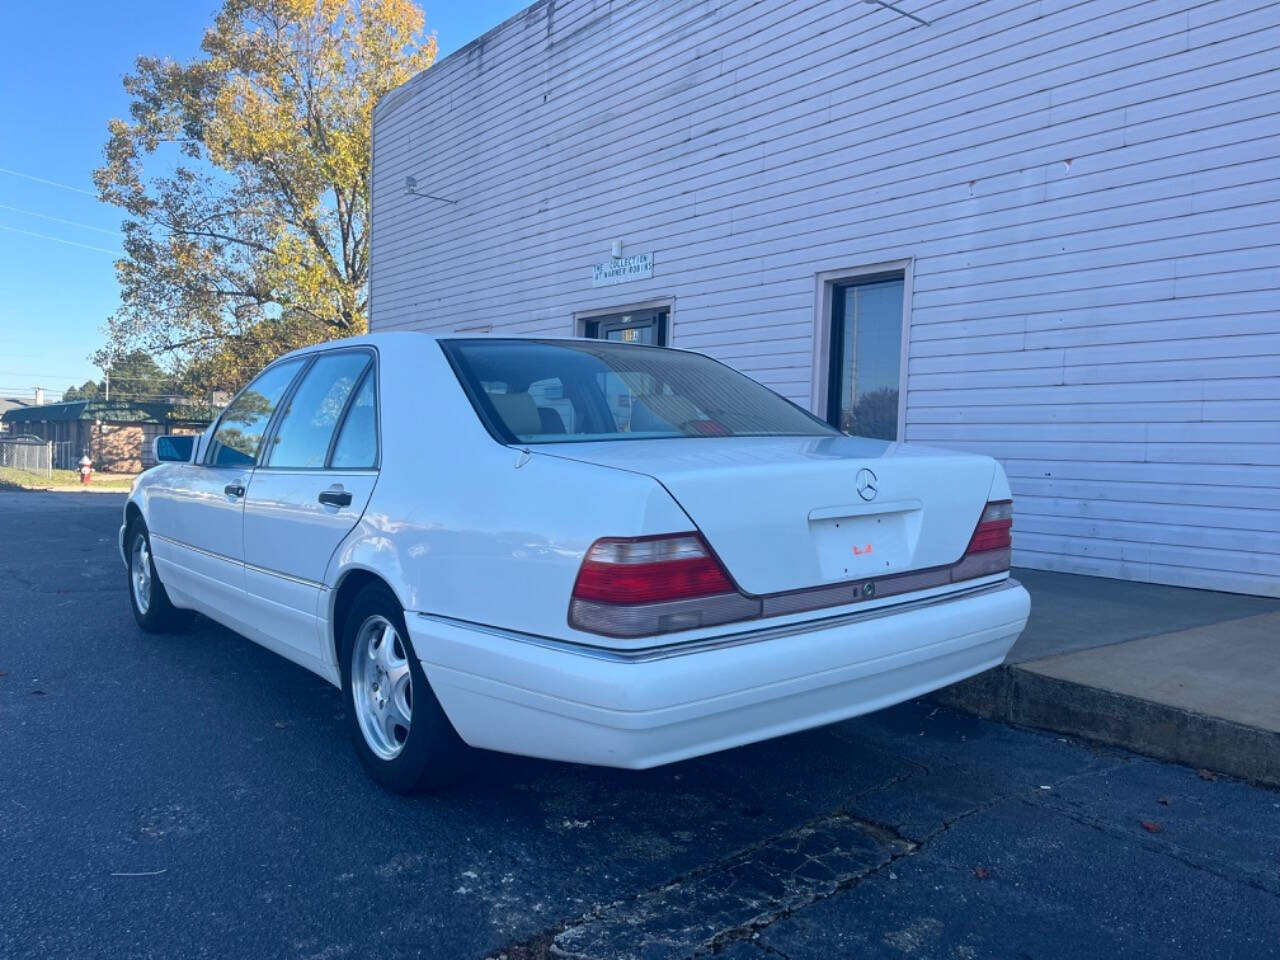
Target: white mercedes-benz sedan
587,551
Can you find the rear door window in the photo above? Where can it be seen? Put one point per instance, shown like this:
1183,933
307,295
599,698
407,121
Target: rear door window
357,446
308,424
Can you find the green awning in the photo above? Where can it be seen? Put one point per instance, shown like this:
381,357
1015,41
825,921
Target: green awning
108,411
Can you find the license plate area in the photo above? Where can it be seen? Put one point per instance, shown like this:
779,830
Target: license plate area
857,543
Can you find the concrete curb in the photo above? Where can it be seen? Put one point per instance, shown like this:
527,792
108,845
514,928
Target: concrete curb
1017,695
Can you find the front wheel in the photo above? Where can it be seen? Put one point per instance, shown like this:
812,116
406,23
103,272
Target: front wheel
147,595
400,732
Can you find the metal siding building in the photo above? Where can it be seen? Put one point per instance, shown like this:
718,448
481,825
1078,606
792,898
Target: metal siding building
1079,203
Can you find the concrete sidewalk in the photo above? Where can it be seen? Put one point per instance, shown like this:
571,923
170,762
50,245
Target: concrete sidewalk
1191,676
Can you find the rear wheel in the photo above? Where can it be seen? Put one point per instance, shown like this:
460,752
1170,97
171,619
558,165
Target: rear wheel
147,595
400,732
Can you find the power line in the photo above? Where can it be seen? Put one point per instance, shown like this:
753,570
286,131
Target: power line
51,183
70,223
45,382
71,376
32,384
69,243
32,373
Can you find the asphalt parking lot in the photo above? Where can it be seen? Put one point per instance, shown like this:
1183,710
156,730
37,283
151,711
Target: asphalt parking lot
194,796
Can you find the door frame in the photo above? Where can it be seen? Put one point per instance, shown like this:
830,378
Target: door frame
295,606
825,284
583,317
277,419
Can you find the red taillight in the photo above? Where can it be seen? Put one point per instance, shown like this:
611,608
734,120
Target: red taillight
650,585
650,570
993,532
989,548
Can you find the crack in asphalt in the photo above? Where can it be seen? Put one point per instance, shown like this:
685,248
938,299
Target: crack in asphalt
700,896
921,769
883,833
702,912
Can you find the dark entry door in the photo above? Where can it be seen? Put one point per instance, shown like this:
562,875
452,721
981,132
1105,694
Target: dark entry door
637,326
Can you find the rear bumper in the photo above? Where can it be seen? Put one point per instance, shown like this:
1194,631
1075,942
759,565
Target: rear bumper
520,694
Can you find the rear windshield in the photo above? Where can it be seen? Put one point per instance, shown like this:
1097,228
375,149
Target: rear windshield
547,391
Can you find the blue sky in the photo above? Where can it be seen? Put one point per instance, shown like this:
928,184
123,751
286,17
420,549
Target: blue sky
61,66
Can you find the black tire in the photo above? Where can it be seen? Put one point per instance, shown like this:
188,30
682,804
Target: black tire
159,615
431,755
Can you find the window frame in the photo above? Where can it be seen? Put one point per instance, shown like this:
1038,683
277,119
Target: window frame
828,284
598,329
277,420
585,320
273,425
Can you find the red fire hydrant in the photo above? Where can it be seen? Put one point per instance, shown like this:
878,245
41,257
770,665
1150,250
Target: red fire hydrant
86,469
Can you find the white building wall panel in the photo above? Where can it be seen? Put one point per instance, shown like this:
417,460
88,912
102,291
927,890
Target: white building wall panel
1088,193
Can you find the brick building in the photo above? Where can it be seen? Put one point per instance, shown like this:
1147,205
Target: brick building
116,435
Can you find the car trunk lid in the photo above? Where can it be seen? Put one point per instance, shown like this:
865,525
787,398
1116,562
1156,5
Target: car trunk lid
789,513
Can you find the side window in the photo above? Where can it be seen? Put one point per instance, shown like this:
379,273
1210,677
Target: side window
357,446
308,423
239,434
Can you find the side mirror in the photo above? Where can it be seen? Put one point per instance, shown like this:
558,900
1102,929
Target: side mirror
176,449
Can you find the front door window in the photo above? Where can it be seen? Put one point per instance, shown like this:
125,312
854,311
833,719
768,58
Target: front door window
866,356
240,431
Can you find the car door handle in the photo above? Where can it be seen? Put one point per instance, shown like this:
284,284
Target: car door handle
335,498
233,490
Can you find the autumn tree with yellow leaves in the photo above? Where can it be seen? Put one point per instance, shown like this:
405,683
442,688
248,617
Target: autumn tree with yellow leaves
248,228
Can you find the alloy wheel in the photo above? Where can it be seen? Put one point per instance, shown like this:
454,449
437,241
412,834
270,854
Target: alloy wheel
382,687
140,573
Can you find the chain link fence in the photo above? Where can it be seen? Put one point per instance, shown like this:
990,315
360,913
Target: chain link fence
66,455
30,456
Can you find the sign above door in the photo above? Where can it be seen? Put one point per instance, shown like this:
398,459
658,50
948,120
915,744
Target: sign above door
638,266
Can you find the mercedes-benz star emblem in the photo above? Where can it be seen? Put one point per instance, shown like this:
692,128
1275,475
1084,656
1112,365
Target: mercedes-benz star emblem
867,484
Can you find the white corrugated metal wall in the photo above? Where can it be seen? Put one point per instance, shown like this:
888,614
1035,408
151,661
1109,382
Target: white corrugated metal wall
1089,194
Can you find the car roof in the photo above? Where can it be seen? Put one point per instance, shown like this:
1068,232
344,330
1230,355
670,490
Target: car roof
389,337
366,339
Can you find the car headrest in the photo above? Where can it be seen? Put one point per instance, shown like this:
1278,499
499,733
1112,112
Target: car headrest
552,422
518,412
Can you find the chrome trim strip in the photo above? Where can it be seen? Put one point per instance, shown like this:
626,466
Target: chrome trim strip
192,548
314,584
313,471
248,566
666,651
